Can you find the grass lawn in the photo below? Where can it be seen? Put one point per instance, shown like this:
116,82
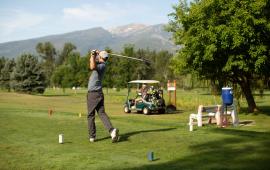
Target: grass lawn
29,137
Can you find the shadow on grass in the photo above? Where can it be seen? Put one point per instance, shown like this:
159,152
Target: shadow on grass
125,136
246,122
56,95
256,94
238,150
156,113
265,110
175,112
219,95
262,110
168,112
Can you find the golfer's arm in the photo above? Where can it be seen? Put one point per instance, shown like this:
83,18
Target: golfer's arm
93,64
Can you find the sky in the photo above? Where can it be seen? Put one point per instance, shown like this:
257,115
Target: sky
24,19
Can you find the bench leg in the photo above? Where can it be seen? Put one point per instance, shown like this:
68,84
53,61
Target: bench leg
218,118
190,123
199,116
235,119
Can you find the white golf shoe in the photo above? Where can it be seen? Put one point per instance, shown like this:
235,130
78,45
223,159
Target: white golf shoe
115,135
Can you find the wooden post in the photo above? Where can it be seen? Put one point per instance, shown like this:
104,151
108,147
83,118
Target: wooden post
50,112
169,92
174,84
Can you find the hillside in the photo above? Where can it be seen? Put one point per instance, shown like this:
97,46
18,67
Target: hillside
153,37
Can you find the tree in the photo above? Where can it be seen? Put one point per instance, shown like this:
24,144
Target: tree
124,68
144,71
82,75
63,77
2,65
74,72
47,52
2,62
224,40
6,74
161,65
28,75
68,48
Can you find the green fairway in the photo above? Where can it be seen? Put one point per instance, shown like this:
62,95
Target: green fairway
29,137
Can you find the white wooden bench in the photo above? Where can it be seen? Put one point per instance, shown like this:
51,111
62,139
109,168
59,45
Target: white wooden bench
216,112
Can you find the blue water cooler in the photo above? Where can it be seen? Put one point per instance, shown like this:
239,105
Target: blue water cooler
227,96
227,99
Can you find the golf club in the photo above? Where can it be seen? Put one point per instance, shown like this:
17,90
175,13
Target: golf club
147,62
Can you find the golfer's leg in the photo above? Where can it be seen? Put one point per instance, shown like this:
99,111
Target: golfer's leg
103,116
91,125
91,104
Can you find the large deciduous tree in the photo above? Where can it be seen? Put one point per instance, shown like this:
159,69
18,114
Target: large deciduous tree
74,72
224,40
67,50
47,52
161,63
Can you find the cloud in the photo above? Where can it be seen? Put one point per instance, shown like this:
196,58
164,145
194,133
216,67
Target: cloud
91,13
106,15
17,20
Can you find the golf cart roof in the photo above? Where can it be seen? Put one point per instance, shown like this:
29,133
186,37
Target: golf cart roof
145,81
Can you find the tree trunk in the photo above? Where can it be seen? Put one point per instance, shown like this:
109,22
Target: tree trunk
245,86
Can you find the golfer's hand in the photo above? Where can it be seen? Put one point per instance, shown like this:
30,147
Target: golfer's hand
94,53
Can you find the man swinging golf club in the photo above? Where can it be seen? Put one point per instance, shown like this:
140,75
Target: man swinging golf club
95,97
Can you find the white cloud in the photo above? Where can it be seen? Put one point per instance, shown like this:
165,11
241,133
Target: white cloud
12,21
92,13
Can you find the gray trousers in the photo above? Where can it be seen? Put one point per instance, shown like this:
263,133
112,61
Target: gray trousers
95,102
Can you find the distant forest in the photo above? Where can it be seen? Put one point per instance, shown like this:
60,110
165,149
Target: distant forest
67,69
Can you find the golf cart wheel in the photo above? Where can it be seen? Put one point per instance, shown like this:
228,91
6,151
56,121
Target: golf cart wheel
126,109
146,111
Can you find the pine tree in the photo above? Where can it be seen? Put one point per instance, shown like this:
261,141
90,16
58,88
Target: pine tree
6,74
28,76
2,62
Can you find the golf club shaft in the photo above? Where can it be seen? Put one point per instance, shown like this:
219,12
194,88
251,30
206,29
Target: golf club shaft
133,58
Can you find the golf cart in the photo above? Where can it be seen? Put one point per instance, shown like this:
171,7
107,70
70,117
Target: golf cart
151,101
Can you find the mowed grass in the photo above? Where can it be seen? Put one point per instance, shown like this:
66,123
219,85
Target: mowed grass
29,137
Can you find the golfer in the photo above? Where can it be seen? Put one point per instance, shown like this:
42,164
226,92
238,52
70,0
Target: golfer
95,97
142,94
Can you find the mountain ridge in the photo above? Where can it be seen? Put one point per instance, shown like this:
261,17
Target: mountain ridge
153,37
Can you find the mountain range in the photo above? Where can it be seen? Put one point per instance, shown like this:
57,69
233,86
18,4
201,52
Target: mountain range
153,37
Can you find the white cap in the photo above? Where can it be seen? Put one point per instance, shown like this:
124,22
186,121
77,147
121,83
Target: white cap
103,54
